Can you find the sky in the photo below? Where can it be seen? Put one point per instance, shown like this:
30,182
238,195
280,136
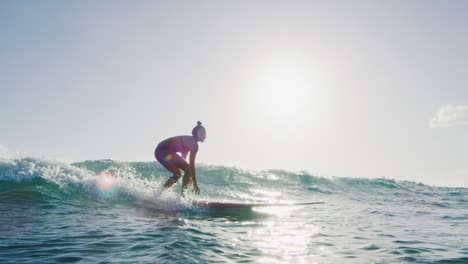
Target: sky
374,89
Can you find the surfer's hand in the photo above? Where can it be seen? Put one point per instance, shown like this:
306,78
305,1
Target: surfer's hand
196,190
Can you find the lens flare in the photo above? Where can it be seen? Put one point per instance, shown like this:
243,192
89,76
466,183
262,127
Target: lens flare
106,184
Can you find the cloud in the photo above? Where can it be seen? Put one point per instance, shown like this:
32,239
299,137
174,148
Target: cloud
449,116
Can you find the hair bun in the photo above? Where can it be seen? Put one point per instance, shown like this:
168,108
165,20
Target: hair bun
198,123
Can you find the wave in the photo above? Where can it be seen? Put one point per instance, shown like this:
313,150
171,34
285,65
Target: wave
143,181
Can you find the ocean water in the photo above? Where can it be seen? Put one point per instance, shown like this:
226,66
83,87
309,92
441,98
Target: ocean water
115,212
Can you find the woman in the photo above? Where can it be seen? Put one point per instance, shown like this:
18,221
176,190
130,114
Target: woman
167,154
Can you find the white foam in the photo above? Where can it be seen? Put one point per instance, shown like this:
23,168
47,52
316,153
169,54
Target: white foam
127,181
149,193
62,174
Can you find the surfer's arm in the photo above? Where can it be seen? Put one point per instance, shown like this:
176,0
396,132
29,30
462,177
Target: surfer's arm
195,185
193,154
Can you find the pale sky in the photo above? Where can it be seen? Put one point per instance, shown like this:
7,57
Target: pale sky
337,88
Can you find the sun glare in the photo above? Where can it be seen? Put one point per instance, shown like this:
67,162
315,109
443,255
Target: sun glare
283,92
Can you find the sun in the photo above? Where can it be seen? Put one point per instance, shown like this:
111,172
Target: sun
283,91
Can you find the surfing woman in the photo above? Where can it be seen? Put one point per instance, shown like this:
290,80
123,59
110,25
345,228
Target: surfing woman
167,154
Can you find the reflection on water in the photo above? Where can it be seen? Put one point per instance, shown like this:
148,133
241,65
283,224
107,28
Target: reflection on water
265,235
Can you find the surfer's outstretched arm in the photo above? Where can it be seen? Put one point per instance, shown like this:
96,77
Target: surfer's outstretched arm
186,180
195,185
193,154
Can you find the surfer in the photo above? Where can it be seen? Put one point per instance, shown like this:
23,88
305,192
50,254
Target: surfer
167,153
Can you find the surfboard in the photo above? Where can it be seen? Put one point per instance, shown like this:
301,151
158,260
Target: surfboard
221,205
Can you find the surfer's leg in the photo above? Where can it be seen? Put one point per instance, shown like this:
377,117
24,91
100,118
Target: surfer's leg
172,180
168,162
187,179
180,163
183,165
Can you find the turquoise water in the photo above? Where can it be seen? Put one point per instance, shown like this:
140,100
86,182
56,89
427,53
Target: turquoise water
52,212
